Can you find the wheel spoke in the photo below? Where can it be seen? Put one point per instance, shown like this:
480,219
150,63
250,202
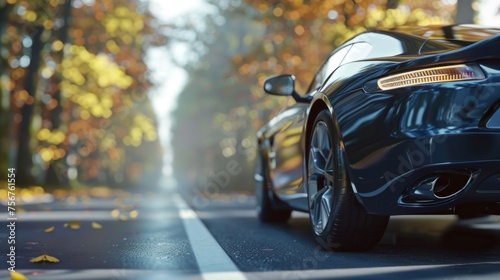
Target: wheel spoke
320,179
318,218
323,147
326,207
327,174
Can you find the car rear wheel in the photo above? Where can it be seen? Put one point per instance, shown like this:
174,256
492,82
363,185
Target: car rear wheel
338,220
266,210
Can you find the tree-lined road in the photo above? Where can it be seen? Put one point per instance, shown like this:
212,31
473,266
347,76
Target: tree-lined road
176,237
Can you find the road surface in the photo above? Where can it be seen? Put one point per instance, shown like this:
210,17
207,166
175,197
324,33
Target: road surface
169,236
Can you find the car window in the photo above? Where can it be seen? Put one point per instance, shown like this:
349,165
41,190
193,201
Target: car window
358,51
330,65
436,46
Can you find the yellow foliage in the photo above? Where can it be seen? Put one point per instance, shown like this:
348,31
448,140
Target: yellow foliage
124,23
17,276
96,225
44,258
107,113
91,74
73,225
43,134
134,214
30,16
112,46
142,128
106,101
57,137
49,230
115,213
96,110
84,114
57,45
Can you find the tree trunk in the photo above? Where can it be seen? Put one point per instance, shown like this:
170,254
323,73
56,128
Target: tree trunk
24,161
4,107
54,176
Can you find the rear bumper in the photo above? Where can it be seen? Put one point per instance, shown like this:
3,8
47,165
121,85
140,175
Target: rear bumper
399,139
398,179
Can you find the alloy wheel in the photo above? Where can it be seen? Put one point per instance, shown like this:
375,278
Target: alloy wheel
320,179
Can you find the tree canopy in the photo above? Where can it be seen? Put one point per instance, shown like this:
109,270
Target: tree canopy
75,86
242,43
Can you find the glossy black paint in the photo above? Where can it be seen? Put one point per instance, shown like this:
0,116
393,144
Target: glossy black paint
284,85
395,140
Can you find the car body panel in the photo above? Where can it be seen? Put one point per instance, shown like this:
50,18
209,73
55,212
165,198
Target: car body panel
393,139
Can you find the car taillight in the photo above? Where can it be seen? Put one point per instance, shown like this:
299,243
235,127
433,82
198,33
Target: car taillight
461,72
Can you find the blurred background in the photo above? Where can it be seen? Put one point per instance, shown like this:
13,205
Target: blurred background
125,93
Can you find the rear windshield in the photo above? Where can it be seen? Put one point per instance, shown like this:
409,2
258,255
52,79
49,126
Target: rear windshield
436,46
446,38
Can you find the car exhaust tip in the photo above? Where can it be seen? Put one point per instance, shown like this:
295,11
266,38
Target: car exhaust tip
438,186
450,184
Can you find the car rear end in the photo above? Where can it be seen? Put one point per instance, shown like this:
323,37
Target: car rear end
438,145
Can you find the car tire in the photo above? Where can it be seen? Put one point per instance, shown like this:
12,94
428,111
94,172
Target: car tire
339,222
266,210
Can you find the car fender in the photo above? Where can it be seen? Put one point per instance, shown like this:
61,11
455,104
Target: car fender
321,102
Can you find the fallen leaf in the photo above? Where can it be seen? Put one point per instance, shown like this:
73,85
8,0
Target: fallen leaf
123,218
115,213
73,225
44,258
133,214
17,276
96,225
49,230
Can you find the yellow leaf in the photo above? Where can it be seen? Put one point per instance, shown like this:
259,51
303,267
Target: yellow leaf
115,213
133,214
123,218
50,229
44,258
17,276
96,225
73,225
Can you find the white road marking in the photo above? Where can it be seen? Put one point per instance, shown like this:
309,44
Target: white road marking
99,274
379,272
213,262
338,273
80,215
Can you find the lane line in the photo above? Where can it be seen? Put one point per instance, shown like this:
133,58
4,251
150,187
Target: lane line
101,274
372,272
378,272
82,215
213,262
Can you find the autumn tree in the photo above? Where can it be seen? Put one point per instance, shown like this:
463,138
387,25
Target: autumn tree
81,101
211,126
244,42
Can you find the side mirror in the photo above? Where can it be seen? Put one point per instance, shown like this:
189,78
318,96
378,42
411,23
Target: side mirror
283,85
280,85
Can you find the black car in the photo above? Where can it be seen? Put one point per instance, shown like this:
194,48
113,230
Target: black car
395,122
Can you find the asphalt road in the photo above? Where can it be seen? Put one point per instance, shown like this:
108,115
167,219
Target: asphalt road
176,237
